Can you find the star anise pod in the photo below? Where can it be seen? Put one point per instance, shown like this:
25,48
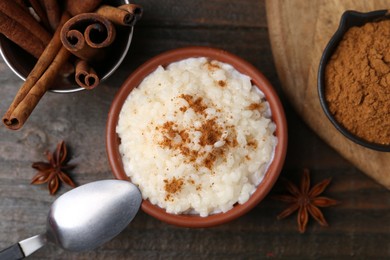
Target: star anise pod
52,172
306,201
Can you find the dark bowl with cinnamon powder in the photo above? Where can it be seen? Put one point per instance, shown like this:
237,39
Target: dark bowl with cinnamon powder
278,117
354,79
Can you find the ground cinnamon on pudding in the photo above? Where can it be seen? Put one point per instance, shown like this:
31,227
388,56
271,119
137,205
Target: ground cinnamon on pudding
212,66
211,133
196,104
221,83
177,138
172,186
357,80
255,106
191,145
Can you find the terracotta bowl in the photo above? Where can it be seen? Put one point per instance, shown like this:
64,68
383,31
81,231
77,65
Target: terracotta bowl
278,116
348,19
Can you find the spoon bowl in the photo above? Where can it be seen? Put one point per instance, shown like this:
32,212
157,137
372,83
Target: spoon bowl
87,217
84,218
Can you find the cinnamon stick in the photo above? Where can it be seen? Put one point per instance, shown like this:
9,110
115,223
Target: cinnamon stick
134,9
20,36
78,7
75,43
86,34
116,15
25,108
17,13
38,81
100,34
125,15
53,12
38,9
85,75
21,4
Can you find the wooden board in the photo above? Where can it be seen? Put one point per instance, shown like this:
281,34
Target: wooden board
299,31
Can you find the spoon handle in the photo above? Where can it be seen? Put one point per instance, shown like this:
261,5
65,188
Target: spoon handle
12,253
24,248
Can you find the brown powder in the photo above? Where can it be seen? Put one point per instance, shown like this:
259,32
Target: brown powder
255,106
222,83
211,132
196,104
253,144
212,66
170,131
232,139
172,186
210,158
357,80
169,134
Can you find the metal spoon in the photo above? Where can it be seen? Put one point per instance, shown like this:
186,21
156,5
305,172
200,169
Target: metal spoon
84,218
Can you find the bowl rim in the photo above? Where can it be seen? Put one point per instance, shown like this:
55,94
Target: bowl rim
278,116
348,19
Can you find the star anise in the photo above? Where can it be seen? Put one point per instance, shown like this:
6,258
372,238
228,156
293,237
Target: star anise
306,201
52,172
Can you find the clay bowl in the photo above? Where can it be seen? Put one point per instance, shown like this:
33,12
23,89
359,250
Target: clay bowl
348,20
21,63
258,79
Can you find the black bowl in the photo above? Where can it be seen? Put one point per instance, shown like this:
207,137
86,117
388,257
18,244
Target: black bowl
348,19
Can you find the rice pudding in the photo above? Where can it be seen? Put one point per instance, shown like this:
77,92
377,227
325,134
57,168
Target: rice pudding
196,137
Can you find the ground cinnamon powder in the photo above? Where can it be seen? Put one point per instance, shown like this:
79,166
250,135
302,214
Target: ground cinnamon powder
210,131
357,80
172,186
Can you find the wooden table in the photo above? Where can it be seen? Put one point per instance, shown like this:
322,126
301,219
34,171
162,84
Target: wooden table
360,226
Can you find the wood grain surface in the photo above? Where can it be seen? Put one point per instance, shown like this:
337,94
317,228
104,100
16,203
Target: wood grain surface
299,32
359,227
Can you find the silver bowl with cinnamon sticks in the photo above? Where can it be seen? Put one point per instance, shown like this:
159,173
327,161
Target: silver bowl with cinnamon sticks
62,46
24,44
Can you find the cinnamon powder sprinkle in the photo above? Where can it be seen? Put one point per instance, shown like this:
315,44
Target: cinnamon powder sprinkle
211,132
222,83
172,186
212,66
255,106
253,144
196,104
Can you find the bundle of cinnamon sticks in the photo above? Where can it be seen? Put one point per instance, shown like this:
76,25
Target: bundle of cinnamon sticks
72,34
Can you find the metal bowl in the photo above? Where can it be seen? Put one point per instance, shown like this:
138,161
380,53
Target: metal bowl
21,63
348,19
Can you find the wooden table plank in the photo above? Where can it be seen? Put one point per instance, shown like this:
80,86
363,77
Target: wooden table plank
360,226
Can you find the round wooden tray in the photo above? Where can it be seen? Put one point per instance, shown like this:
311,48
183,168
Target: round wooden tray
299,31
